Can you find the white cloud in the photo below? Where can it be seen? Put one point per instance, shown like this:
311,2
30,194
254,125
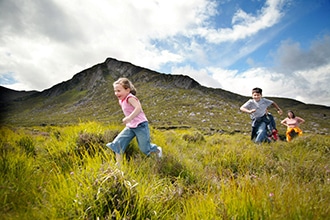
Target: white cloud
201,76
308,86
290,56
43,43
305,81
46,42
246,25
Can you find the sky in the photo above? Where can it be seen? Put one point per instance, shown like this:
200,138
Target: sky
281,46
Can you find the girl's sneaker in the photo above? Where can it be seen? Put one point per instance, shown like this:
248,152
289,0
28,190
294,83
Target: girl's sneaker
160,153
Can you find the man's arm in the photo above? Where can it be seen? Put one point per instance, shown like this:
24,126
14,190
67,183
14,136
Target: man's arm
279,110
243,109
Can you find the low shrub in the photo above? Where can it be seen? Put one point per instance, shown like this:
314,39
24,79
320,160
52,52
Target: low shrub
193,137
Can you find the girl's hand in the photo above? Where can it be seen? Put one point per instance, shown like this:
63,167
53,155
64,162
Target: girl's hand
126,120
252,110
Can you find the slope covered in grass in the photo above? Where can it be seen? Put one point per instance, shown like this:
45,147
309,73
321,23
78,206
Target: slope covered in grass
67,172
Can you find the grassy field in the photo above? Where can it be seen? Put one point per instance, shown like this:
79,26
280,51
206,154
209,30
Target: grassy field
66,172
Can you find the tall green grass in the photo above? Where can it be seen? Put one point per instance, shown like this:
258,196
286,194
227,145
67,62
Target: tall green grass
67,173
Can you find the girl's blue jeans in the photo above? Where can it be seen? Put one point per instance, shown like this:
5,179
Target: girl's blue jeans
142,134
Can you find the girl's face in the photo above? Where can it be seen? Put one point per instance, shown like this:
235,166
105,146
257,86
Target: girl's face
256,96
290,115
120,91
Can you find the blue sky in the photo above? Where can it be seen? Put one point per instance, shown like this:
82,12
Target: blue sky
282,46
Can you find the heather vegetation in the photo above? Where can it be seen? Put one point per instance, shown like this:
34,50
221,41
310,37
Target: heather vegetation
66,172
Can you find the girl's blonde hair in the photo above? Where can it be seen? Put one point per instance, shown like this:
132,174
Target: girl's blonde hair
126,84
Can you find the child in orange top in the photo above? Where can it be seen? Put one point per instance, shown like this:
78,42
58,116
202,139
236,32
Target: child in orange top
292,122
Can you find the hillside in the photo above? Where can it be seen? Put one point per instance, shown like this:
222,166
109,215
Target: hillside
170,101
8,95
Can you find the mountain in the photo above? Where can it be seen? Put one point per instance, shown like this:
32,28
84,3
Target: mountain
170,101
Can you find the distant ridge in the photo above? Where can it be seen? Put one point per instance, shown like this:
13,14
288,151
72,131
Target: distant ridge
89,78
169,101
10,94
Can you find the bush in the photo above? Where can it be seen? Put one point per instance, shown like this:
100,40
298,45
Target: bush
109,135
194,137
86,143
